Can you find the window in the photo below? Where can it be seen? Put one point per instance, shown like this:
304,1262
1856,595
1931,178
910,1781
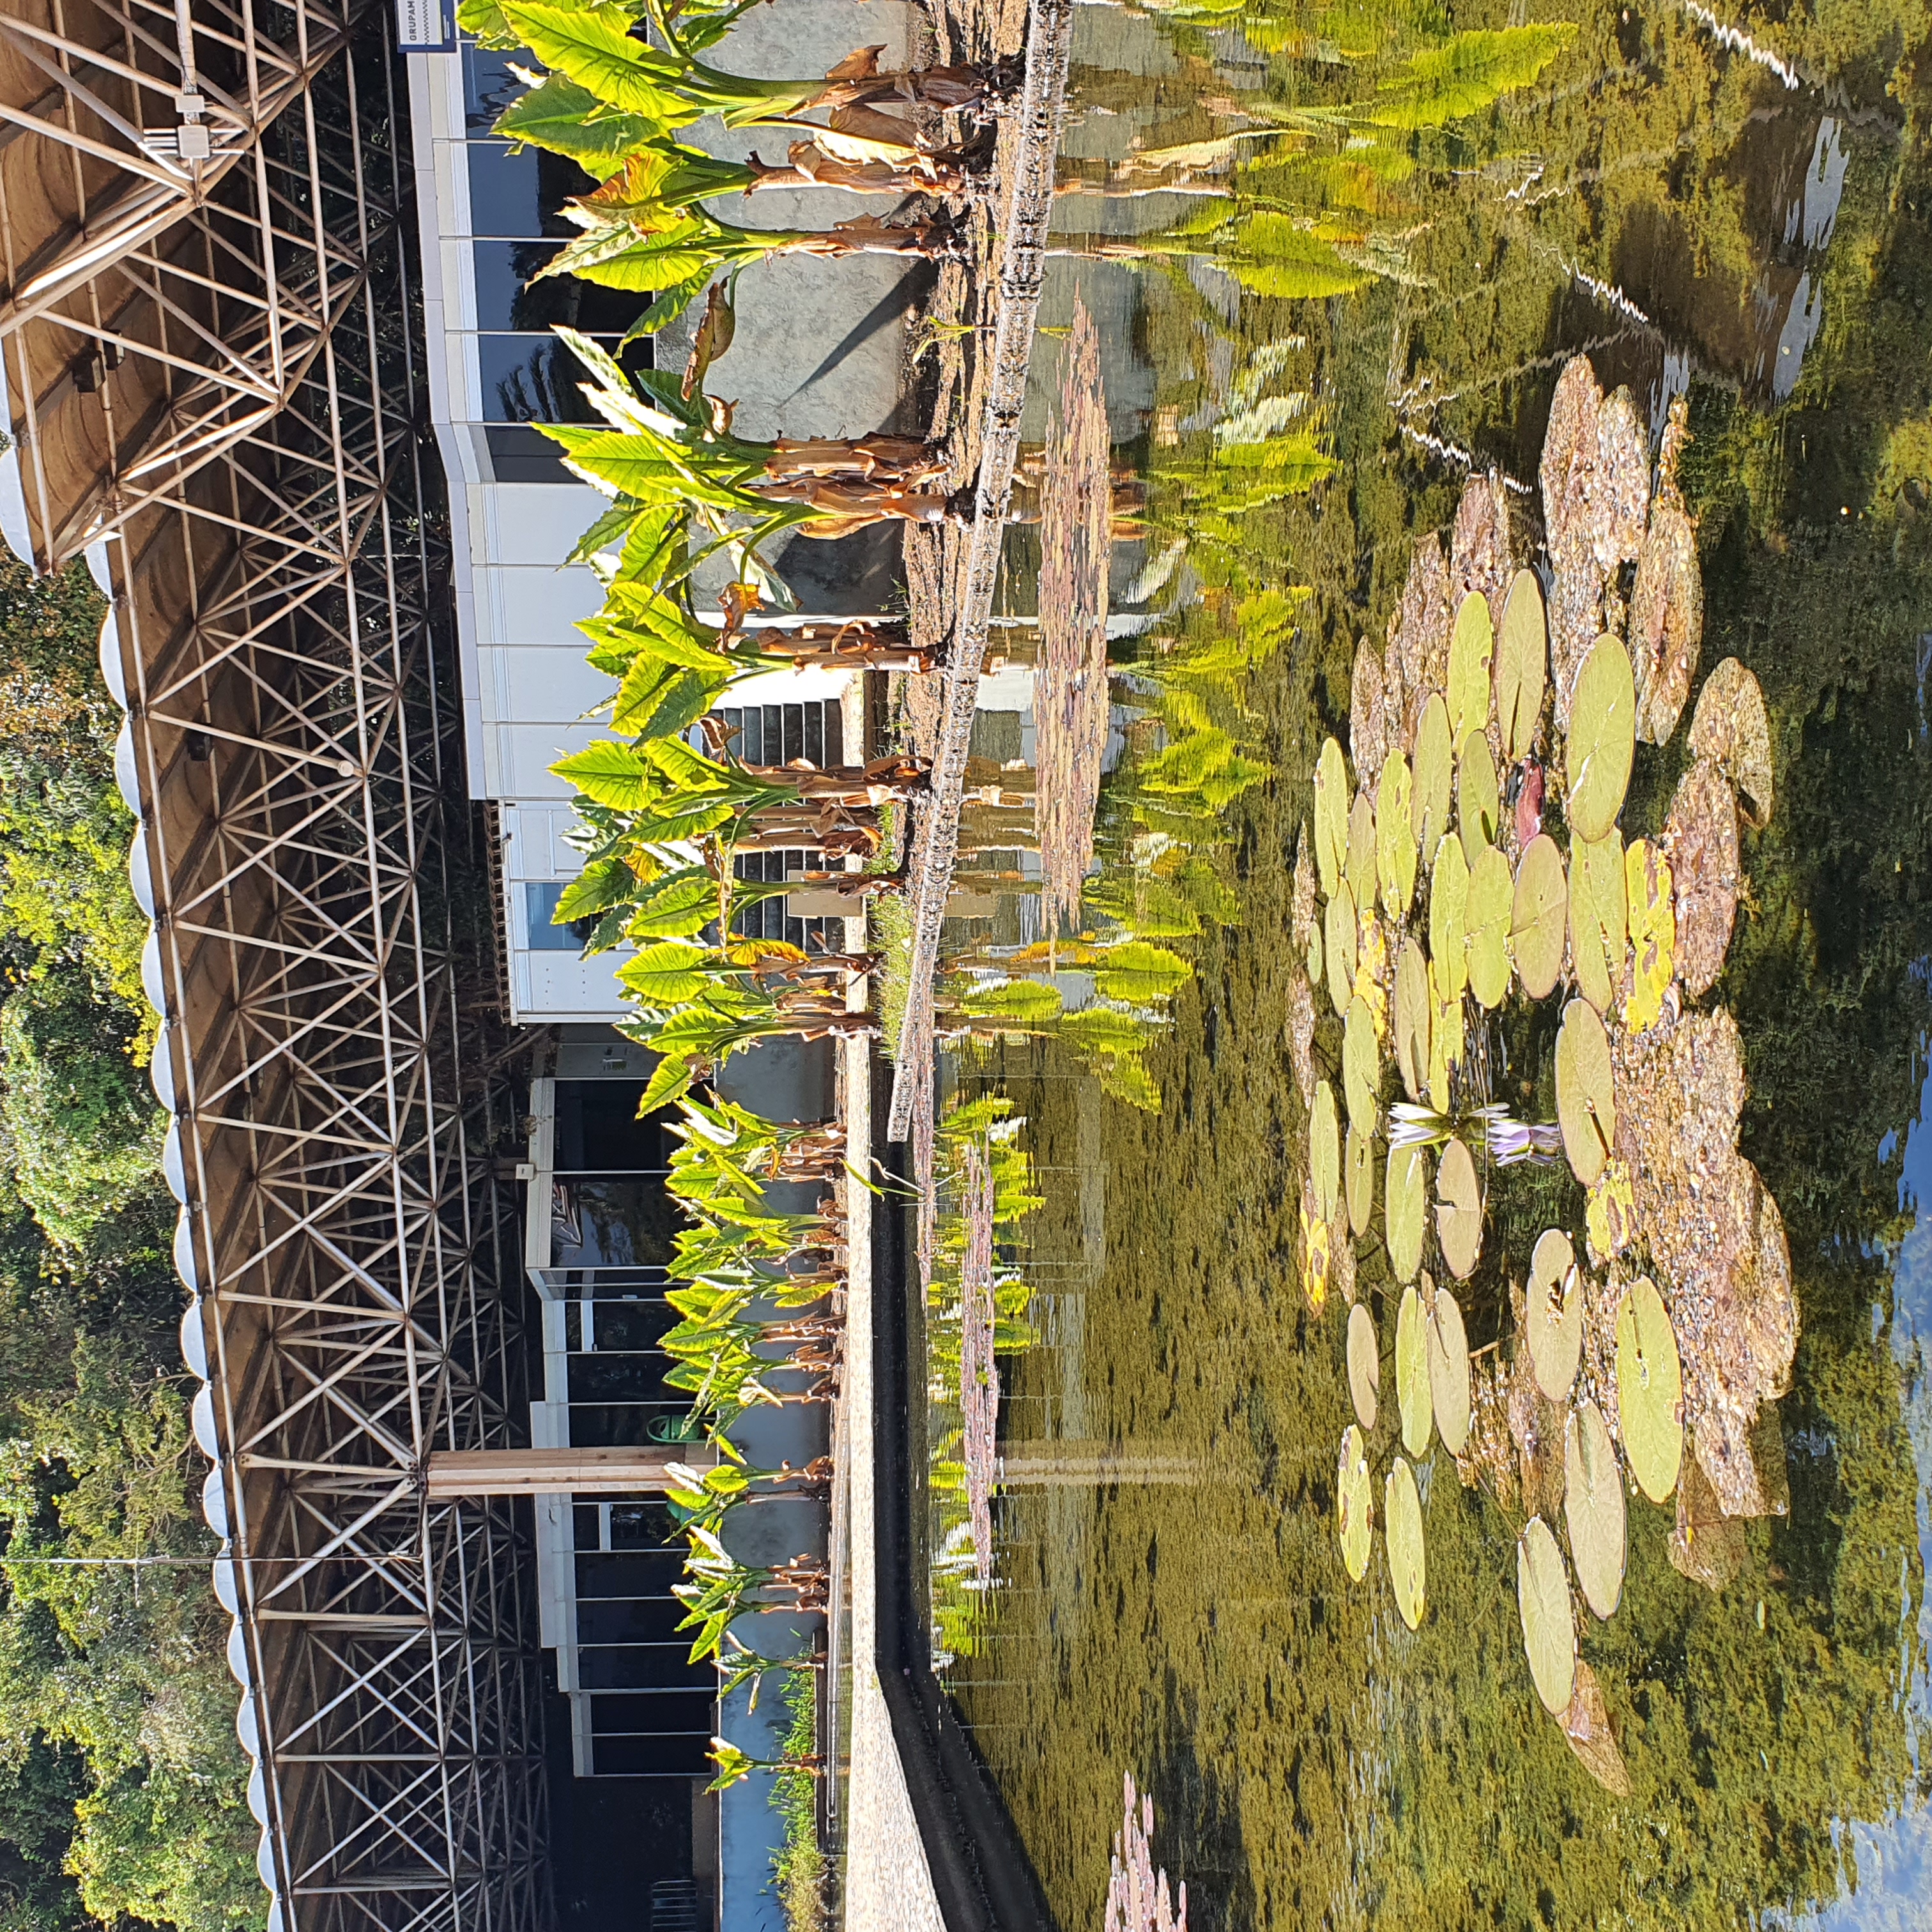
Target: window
540,901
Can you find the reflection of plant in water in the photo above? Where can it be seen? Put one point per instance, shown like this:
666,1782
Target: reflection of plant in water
1138,1897
976,1309
1648,1090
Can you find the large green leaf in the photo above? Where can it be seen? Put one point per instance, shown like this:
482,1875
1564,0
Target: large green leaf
1467,74
680,908
660,700
592,46
602,884
609,773
667,976
557,116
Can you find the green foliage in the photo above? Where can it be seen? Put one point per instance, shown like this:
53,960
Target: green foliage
121,1784
81,1132
799,1866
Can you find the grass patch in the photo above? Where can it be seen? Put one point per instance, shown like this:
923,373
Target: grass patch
888,923
800,1867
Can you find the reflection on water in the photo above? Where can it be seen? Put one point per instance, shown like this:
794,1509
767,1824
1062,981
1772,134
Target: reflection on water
1336,261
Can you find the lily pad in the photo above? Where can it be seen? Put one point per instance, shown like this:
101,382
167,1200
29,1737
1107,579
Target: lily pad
1405,1198
1317,959
1491,897
1701,833
1610,1214
1586,1724
1542,1602
1325,1151
1540,916
1314,1249
1339,935
1522,657
1360,863
1602,740
1434,773
1395,833
1458,1209
1358,1180
1478,800
1355,1509
1586,1102
1413,1401
1449,1387
1597,925
1361,1065
1553,1314
1402,1531
1471,649
1412,1011
1372,973
1666,620
1331,817
1593,1506
1446,1042
1448,908
1653,932
1365,1364
1730,727
1650,1391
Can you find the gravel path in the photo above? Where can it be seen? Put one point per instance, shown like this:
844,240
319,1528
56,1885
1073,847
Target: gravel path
888,1886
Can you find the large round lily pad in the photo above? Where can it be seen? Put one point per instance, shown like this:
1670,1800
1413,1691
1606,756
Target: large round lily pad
1593,1506
1361,1065
1359,867
1553,1313
1542,1602
1586,1104
1434,772
1355,1507
1395,834
1490,902
1413,1401
1448,1368
1650,1391
1365,1364
1602,740
1730,727
1522,657
1324,1151
1471,648
1597,927
1339,934
1402,1531
1412,1009
1448,907
1358,1179
1540,916
1478,800
1458,1209
1446,1041
1331,817
1405,1201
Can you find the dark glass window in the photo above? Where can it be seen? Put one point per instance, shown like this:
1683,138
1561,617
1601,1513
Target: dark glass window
503,301
598,1129
617,1326
520,196
520,454
668,1711
630,1620
634,1573
488,85
531,378
621,1378
683,1756
620,1223
635,1667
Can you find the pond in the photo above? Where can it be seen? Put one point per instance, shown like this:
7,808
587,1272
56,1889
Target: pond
1332,272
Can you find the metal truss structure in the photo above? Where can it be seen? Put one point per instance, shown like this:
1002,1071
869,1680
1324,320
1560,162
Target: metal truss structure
210,337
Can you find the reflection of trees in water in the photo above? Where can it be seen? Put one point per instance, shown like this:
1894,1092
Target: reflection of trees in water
1382,1777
